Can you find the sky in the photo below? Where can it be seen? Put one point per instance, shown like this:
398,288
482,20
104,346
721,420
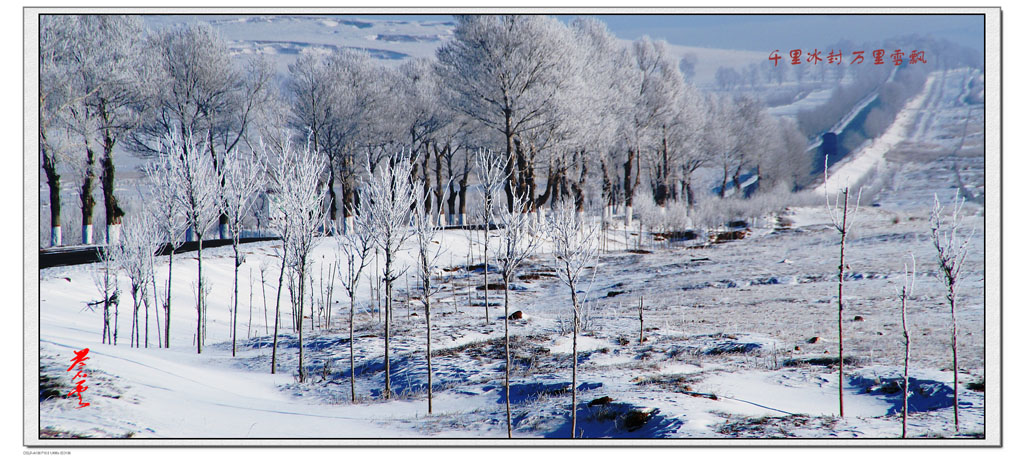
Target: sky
760,32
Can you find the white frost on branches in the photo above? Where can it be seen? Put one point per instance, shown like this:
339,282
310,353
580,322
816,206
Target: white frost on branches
387,203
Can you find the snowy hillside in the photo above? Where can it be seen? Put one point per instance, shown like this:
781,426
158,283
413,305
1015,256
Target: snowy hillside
739,338
283,37
669,309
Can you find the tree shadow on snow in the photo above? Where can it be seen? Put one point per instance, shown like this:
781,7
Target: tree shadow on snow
616,420
527,392
924,395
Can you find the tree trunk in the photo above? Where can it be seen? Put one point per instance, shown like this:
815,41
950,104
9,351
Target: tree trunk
113,210
387,323
688,191
439,189
736,182
463,187
86,195
906,358
509,162
234,306
167,306
725,181
332,197
508,365
302,286
348,193
200,307
641,309
628,184
351,342
53,184
575,333
452,196
135,312
430,369
487,287
550,189
606,186
277,308
956,367
842,264
145,302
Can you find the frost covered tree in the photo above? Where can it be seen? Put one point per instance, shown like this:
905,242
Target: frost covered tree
784,161
585,117
427,226
196,86
575,249
390,196
419,121
295,182
134,250
355,246
728,136
88,87
56,93
102,71
105,280
951,244
115,43
197,186
506,73
652,84
680,151
516,245
242,180
169,215
336,100
310,85
842,218
490,169
348,105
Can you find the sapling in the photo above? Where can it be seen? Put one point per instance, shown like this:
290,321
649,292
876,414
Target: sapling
105,279
575,248
390,196
248,325
197,189
492,174
952,248
516,245
301,198
242,179
843,221
427,226
133,251
640,309
170,216
263,281
355,246
906,291
295,180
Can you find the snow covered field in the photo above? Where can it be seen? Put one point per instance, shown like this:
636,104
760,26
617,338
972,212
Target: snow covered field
740,337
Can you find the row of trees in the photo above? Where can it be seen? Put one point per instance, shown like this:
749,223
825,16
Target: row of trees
579,117
390,214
